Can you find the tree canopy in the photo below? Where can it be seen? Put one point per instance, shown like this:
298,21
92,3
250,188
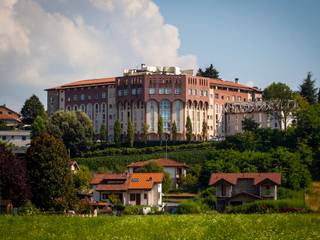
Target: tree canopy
130,134
249,124
210,72
117,132
308,90
74,128
31,109
188,129
160,128
49,173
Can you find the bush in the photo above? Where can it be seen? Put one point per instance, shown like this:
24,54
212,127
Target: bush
269,206
28,209
133,210
189,208
285,193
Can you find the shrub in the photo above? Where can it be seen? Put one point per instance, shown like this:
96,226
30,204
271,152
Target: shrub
28,209
133,210
269,206
189,208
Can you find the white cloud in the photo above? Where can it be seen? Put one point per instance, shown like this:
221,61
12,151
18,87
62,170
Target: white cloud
40,48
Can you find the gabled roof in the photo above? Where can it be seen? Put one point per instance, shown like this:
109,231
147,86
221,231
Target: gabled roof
232,178
88,82
161,162
13,116
130,181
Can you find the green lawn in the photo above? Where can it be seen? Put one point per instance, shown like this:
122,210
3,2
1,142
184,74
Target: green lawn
269,226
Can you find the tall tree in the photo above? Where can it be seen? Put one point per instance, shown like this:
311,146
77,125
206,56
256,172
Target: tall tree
31,109
204,130
74,129
174,131
82,178
189,129
280,96
49,173
210,72
117,132
39,126
103,134
249,124
160,129
308,90
130,134
319,96
145,132
13,177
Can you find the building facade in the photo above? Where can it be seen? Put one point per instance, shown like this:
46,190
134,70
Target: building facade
142,95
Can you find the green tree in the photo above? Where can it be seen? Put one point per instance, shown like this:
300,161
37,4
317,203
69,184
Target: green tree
117,132
130,134
13,177
189,129
39,126
49,173
249,124
210,72
145,132
280,97
160,129
174,131
82,178
189,183
308,90
103,134
74,128
31,109
204,130
319,96
3,126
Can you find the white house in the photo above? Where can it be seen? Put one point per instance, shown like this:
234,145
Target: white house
19,138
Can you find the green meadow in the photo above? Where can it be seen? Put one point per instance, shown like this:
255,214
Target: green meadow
215,226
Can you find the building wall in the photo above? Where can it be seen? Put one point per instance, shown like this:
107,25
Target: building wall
19,138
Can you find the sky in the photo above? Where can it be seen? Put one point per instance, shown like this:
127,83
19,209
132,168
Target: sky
46,43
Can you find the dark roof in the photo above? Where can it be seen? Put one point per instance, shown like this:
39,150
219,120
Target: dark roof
232,178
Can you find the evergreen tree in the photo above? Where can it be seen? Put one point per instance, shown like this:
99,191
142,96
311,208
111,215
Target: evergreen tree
145,132
174,131
103,134
189,129
117,132
308,90
210,72
130,134
319,96
204,130
160,129
49,173
38,127
31,109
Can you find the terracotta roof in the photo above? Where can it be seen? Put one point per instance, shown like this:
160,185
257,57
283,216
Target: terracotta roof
88,82
5,116
232,178
161,162
131,181
231,84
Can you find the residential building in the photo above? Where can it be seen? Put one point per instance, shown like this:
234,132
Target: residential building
175,169
131,188
142,95
9,117
240,188
19,138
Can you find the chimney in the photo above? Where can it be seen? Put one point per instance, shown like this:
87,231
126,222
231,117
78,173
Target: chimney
236,80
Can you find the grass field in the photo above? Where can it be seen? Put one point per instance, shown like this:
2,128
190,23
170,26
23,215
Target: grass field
312,198
270,226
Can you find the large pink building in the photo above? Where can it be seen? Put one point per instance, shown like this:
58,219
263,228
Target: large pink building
141,95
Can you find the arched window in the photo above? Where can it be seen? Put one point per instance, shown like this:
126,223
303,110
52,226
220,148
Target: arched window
89,110
68,108
152,109
165,114
178,107
75,107
103,107
83,108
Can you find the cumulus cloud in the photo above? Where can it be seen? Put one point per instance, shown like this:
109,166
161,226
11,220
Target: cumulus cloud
43,46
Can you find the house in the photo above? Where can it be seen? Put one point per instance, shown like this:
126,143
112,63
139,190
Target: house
239,188
19,138
9,117
175,169
131,188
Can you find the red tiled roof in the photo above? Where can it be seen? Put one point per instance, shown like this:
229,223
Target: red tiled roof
5,116
233,177
88,82
231,84
161,162
132,181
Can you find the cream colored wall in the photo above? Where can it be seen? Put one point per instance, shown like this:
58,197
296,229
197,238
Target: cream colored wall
156,115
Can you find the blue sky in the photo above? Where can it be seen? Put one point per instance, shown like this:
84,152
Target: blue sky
47,43
257,41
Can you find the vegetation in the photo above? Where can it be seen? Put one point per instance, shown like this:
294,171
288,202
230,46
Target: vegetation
188,129
217,226
160,129
117,132
174,131
82,178
130,134
49,173
249,125
31,109
210,72
189,208
38,127
74,129
145,133
308,90
204,130
103,134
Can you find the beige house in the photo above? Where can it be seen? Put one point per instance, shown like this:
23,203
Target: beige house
131,188
240,188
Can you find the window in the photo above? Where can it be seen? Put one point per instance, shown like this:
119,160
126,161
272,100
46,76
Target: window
82,97
4,138
216,96
195,92
167,91
145,196
139,91
165,114
223,190
104,95
178,90
162,90
190,91
75,97
134,91
152,117
233,98
239,99
120,92
125,92
132,197
24,138
152,90
178,110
